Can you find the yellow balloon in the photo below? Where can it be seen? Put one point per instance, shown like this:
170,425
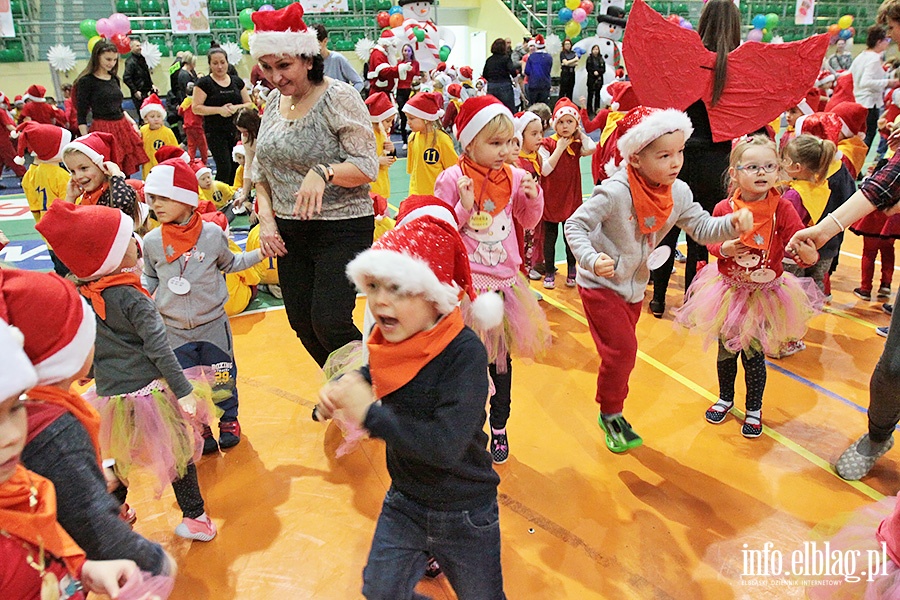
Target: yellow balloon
845,22
245,41
573,4
93,42
573,28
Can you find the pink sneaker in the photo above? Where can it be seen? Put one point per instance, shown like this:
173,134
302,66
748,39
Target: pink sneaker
201,529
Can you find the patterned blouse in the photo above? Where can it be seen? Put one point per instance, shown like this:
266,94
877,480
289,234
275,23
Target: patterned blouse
335,130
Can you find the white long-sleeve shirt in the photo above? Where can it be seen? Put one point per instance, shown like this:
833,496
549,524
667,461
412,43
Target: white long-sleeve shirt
869,79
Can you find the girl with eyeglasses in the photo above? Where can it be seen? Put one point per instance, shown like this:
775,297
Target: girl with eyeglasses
746,302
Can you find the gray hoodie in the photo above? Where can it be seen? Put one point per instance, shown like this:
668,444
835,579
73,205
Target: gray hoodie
210,257
607,223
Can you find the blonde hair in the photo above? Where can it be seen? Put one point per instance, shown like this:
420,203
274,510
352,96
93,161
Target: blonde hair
737,152
812,153
889,9
499,125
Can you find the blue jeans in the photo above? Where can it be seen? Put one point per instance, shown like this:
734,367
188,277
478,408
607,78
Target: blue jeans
465,543
211,345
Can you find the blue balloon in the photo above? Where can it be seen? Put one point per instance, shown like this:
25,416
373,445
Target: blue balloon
579,52
759,22
565,15
845,34
395,10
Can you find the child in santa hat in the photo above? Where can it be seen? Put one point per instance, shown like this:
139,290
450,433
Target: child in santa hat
430,150
807,105
150,414
37,108
613,236
561,181
853,131
381,112
188,256
154,132
423,392
95,178
213,190
529,133
7,128
487,196
242,285
454,101
620,97
59,328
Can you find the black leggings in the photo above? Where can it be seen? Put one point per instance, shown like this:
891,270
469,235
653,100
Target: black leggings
754,376
551,233
402,97
566,83
872,125
220,143
502,398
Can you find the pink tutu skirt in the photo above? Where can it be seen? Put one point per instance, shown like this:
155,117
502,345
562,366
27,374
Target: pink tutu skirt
524,330
750,316
148,428
857,535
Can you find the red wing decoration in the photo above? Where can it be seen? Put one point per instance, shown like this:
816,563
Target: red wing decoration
670,68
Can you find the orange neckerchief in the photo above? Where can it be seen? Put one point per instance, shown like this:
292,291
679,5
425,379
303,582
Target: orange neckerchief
37,524
534,159
493,187
653,204
86,414
178,239
576,142
763,218
855,150
92,198
93,289
393,365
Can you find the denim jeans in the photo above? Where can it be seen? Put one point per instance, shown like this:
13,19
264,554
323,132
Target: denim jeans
465,543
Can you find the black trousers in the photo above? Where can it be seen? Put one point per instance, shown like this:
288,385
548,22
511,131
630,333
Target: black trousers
318,297
593,94
872,125
566,83
402,97
504,93
221,142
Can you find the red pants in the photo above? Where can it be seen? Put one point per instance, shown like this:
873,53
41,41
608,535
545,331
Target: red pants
196,140
612,322
871,247
7,154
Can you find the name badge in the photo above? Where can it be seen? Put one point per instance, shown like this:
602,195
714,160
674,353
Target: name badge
480,220
658,257
179,286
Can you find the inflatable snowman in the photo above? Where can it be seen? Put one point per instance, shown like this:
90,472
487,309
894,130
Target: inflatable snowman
419,14
610,27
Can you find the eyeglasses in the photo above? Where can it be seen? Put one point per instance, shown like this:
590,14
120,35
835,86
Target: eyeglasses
768,168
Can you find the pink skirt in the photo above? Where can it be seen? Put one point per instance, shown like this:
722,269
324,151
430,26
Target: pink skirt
128,151
524,330
148,428
750,317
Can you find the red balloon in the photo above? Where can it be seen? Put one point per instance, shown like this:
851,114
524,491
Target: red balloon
122,43
395,20
383,18
587,6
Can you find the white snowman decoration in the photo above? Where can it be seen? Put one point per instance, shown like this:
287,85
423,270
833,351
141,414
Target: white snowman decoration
610,28
420,14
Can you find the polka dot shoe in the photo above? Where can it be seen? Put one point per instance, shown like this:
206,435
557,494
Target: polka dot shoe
752,427
499,447
853,464
716,413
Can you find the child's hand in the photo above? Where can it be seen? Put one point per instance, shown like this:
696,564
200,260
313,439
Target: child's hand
112,169
529,188
106,576
604,266
388,146
742,220
189,404
804,251
466,188
582,102
3,240
732,248
386,161
562,143
112,480
73,190
353,394
325,408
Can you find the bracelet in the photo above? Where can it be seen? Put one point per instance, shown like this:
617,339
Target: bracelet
317,169
836,222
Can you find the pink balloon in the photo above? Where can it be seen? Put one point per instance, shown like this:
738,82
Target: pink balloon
578,15
121,23
755,35
105,28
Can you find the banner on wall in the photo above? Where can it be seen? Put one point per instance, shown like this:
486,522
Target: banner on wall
804,14
7,28
319,6
188,16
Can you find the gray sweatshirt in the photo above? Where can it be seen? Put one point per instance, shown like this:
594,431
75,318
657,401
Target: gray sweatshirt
607,223
203,269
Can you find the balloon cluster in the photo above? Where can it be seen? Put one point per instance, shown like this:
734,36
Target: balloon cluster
115,29
680,21
573,15
842,30
762,27
394,18
246,19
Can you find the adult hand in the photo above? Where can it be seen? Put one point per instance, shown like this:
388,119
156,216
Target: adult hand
604,266
386,160
309,196
269,239
106,576
815,234
139,96
807,253
466,188
894,139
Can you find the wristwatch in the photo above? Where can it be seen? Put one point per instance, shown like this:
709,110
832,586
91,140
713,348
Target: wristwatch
329,171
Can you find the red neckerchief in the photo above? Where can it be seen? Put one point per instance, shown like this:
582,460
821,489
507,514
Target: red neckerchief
93,290
92,198
178,239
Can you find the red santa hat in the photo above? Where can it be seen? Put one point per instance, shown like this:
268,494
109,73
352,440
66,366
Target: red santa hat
825,77
426,256
90,240
642,125
416,206
440,68
4,99
387,38
539,42
97,146
853,118
563,107
474,114
35,93
167,152
465,72
823,125
47,142
58,325
521,122
238,150
175,180
379,205
282,33
152,104
380,107
455,90
18,100
425,105
216,218
17,374
810,102
621,96
199,168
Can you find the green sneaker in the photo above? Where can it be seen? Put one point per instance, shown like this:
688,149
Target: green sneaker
620,437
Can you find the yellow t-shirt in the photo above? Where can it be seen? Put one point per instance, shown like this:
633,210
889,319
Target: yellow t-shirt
43,183
425,163
220,194
153,141
382,183
268,267
238,284
239,177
